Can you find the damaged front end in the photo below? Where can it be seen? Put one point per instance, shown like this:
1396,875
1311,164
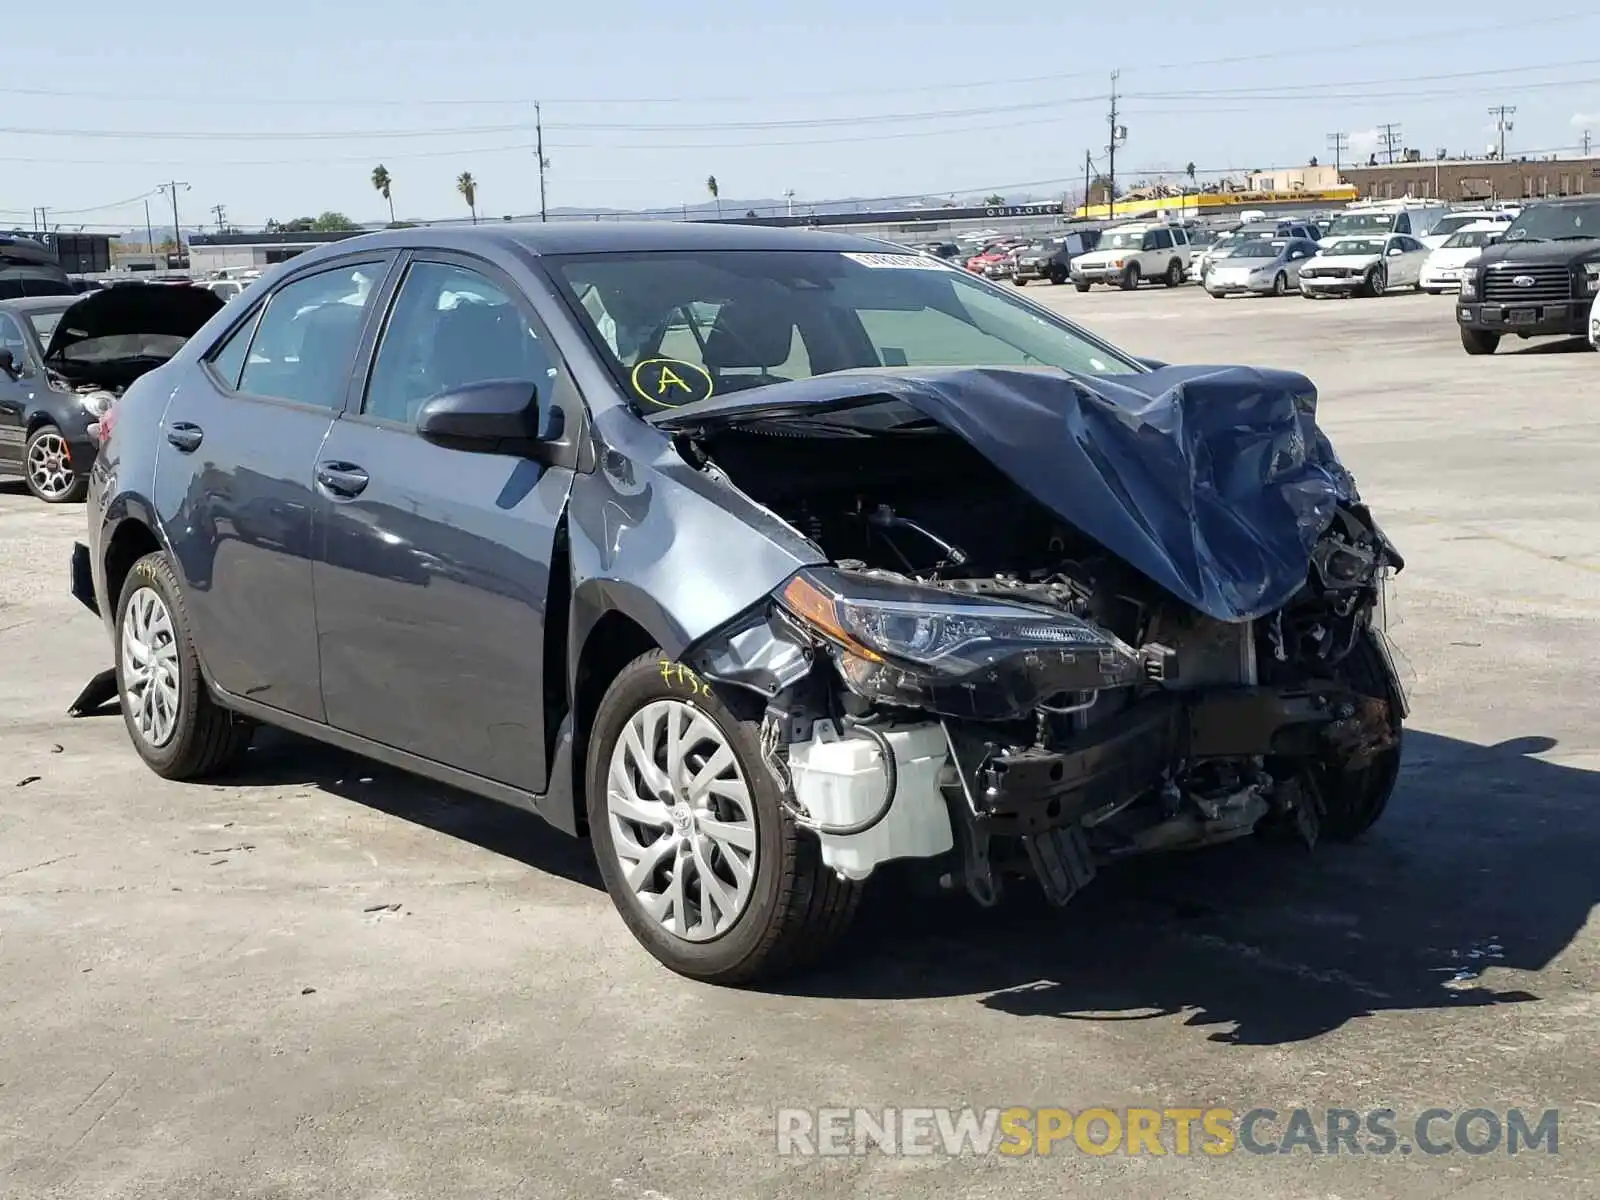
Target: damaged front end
976,681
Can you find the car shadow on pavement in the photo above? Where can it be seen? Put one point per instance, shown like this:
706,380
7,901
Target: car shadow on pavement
1486,859
1564,346
278,758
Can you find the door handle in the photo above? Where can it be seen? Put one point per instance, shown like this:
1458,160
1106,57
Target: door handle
185,436
341,479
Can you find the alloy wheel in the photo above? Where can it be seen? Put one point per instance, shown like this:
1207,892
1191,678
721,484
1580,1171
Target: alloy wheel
681,820
50,465
150,667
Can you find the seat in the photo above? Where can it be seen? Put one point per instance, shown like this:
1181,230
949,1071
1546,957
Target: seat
475,342
327,341
748,334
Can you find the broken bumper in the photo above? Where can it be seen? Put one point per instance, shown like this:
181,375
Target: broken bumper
83,578
1019,791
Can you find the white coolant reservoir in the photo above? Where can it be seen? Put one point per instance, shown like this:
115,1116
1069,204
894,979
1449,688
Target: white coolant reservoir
839,779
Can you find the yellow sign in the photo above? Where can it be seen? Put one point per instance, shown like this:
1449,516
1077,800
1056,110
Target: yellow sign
671,382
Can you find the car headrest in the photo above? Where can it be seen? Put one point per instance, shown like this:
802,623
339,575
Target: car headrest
328,339
748,333
479,341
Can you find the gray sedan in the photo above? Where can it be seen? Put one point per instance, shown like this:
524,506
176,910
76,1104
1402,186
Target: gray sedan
1266,266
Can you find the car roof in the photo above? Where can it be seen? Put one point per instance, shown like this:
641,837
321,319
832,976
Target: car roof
603,237
1481,227
40,303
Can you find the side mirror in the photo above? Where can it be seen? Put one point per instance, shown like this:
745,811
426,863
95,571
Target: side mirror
1395,252
8,364
497,416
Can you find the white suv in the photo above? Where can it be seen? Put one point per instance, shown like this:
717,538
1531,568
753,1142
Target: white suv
1133,253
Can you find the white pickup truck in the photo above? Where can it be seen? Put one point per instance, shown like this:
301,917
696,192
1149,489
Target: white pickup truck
1129,255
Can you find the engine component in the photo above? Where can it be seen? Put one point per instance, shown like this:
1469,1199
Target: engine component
844,780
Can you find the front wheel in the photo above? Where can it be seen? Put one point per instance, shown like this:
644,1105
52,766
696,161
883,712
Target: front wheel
1057,276
1479,341
1353,798
703,861
1080,285
1130,277
1377,281
175,725
1280,284
1019,281
47,464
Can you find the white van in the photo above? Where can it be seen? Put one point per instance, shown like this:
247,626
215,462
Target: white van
1374,218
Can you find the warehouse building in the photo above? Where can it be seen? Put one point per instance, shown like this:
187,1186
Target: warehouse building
209,252
1477,179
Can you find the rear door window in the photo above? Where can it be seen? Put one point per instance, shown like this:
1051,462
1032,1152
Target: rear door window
305,341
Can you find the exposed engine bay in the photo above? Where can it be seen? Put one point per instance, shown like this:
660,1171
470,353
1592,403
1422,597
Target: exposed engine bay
1021,697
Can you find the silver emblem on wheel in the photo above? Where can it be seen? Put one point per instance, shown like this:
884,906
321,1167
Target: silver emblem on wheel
681,821
150,668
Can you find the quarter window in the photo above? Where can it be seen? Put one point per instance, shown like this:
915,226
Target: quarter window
11,339
228,361
306,338
449,327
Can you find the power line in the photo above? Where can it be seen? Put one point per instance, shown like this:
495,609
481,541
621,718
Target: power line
1500,112
302,100
1390,138
1338,143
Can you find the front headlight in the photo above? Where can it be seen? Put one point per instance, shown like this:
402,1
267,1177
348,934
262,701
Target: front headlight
1593,272
96,403
1469,283
908,644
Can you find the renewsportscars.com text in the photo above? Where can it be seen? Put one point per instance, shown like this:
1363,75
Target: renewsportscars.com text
1180,1131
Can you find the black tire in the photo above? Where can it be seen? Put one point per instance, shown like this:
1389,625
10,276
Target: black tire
1280,284
797,907
1216,295
1019,281
1174,275
73,494
1353,800
1057,276
1080,285
208,738
1479,341
1377,281
1130,277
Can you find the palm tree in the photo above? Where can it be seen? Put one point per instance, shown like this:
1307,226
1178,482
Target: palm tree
716,193
468,187
1189,171
383,182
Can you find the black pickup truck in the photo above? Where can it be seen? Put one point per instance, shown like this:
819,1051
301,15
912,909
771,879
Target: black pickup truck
1538,280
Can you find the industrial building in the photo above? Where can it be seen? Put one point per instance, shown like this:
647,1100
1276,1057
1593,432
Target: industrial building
1477,179
210,252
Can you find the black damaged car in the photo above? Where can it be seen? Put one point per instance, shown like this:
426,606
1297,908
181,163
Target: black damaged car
760,558
63,362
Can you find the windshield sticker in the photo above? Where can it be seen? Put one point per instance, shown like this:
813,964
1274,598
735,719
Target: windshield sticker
903,262
671,382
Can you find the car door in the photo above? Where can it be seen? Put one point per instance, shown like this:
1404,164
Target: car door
433,568
1299,253
15,394
240,442
1416,258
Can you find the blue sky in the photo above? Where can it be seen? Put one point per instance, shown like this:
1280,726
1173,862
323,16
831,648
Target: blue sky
283,111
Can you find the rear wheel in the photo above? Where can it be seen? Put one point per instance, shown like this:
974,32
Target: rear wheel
175,725
47,464
1019,281
703,861
1130,277
1174,274
1057,276
1479,341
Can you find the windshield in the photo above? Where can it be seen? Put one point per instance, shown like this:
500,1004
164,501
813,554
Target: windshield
1460,221
1356,246
1360,223
1469,237
44,323
684,325
1546,222
1128,239
1255,248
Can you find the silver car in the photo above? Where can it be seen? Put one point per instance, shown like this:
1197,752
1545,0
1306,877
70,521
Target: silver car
1263,265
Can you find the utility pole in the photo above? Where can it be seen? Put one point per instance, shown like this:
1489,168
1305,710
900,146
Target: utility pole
1390,139
41,222
538,134
1338,143
221,213
171,188
1088,166
1500,112
149,233
1117,133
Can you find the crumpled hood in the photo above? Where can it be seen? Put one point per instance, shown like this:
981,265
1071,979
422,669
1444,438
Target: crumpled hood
175,310
1214,482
